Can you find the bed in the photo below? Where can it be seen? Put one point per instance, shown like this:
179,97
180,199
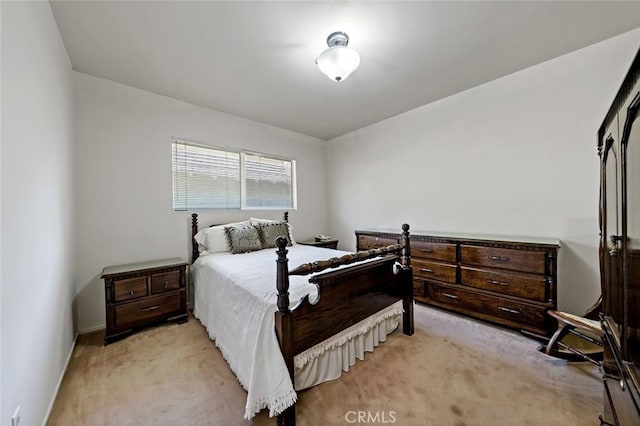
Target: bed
282,330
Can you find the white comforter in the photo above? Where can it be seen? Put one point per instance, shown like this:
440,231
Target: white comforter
235,299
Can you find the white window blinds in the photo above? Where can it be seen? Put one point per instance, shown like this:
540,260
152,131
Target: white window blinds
268,182
213,178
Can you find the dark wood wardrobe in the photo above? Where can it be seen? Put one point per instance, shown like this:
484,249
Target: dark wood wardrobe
619,151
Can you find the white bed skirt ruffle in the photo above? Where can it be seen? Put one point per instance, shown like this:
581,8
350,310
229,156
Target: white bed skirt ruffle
329,358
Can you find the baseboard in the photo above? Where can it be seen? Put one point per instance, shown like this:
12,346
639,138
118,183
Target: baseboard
64,371
92,329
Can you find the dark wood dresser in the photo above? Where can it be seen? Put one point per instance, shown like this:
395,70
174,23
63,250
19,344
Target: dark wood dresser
508,281
141,294
619,151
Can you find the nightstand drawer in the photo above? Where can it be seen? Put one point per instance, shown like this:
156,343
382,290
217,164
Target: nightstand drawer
142,294
130,288
332,244
148,308
164,282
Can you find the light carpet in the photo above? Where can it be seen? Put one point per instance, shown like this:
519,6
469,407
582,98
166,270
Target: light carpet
452,371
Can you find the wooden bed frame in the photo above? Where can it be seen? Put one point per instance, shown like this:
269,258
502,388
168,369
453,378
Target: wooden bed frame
345,296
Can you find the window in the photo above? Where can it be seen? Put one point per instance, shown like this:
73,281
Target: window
216,178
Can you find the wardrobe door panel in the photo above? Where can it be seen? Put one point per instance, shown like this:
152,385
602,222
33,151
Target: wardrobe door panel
619,147
630,141
613,294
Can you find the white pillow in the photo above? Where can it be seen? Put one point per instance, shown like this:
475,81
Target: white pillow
255,221
213,239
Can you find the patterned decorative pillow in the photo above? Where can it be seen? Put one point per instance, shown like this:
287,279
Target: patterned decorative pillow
270,231
243,239
214,238
255,222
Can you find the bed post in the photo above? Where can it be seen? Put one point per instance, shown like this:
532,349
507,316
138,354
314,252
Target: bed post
194,230
407,293
282,279
406,247
284,329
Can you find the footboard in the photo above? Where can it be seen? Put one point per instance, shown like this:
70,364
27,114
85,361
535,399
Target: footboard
345,297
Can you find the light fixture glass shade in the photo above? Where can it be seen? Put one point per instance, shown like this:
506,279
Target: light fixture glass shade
338,62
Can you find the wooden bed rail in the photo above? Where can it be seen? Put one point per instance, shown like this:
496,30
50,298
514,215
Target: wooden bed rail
345,297
283,273
334,262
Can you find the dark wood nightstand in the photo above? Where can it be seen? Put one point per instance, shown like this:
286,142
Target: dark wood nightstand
332,244
141,294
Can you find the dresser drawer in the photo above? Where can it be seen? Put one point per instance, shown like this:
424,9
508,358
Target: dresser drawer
431,250
145,309
368,242
434,270
130,288
519,260
489,307
165,281
521,285
508,281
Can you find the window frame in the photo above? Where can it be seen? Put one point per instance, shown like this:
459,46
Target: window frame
241,176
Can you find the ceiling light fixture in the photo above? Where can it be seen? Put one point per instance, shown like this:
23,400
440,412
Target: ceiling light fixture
338,61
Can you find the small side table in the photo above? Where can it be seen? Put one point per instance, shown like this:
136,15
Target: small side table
145,293
332,244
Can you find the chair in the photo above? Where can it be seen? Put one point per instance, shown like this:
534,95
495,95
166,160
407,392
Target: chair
586,327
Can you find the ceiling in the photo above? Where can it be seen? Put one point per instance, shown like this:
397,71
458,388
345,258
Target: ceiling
257,59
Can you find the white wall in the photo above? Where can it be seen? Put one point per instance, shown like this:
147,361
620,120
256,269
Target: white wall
2,418
1,412
123,181
37,262
516,156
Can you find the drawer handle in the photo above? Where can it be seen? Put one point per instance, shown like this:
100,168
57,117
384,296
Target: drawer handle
426,250
150,308
500,258
450,296
502,283
622,385
428,271
132,292
166,284
512,311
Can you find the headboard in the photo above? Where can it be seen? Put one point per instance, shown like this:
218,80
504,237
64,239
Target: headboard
195,253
